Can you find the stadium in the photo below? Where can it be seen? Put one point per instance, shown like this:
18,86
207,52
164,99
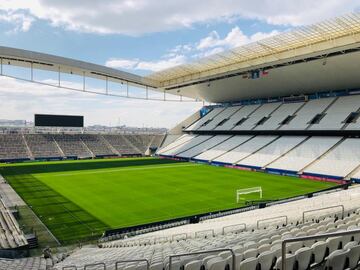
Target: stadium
264,176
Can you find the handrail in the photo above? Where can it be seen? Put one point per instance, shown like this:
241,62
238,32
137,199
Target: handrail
204,252
161,238
273,218
234,225
325,208
179,234
311,237
129,261
204,231
69,267
145,241
95,264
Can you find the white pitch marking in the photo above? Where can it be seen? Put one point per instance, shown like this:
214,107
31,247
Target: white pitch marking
124,169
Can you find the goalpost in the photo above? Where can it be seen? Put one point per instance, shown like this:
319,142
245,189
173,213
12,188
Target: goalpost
243,191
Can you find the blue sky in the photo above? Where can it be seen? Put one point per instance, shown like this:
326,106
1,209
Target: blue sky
139,36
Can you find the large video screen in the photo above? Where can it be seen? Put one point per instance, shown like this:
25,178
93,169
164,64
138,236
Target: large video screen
48,120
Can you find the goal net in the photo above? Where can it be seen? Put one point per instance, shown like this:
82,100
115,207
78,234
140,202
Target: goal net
244,191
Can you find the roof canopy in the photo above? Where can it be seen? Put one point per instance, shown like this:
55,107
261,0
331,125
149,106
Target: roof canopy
323,56
303,40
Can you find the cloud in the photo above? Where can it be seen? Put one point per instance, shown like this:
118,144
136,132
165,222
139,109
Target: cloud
213,43
122,63
24,99
136,17
233,39
183,53
21,21
136,64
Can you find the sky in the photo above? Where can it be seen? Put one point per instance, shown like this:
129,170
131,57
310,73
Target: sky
139,36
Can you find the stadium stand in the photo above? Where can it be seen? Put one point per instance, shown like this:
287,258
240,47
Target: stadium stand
356,174
220,118
222,148
187,145
140,142
278,124
17,147
316,114
157,141
279,117
297,153
307,113
340,162
97,145
170,138
205,120
176,143
239,117
122,145
212,142
258,117
42,146
32,263
245,149
305,154
72,145
336,115
260,245
12,147
272,151
293,209
11,236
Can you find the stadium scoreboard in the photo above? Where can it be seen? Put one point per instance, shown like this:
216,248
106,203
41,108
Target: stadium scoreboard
49,120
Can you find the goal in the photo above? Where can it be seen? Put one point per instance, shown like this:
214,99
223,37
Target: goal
243,191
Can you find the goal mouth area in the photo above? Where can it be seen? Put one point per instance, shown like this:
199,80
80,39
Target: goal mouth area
244,191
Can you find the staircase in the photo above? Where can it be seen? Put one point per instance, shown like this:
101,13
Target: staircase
112,148
59,148
30,154
87,148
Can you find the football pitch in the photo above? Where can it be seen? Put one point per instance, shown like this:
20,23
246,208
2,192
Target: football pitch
80,199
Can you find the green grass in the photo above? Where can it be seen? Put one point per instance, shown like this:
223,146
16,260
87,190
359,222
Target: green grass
80,199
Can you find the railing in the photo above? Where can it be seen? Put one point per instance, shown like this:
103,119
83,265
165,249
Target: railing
312,237
145,241
205,233
182,236
176,236
130,261
324,208
92,265
273,218
102,265
69,267
204,252
234,226
161,239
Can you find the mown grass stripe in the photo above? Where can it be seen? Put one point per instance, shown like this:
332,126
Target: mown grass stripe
133,192
67,221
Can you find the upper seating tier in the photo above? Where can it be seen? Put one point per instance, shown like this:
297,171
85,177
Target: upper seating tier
331,113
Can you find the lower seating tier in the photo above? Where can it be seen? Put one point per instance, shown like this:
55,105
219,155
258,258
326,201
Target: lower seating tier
16,146
321,156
